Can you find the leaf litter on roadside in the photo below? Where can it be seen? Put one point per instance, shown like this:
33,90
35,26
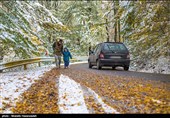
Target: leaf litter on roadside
41,97
127,95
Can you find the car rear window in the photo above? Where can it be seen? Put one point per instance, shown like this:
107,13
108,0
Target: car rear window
114,47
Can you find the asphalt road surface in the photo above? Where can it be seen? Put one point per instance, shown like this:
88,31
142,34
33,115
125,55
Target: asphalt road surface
120,72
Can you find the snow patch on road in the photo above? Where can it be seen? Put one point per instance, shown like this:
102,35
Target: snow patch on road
106,108
71,98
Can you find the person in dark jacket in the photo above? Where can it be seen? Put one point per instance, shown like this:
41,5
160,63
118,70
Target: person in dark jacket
58,48
66,57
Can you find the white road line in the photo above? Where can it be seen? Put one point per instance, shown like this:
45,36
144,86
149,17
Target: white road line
106,108
71,98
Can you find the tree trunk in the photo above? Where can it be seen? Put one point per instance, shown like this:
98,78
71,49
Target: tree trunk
118,23
107,31
115,37
115,25
119,30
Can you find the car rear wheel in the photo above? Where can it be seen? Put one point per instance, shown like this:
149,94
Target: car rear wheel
126,68
90,66
98,65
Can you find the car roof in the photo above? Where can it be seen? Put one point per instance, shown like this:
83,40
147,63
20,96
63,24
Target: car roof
110,42
113,42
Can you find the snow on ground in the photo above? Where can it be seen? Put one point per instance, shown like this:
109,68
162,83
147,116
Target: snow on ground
162,65
12,84
106,108
71,99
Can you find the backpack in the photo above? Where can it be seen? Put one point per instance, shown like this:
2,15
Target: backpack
54,45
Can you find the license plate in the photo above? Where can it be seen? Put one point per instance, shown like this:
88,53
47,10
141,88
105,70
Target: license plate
115,57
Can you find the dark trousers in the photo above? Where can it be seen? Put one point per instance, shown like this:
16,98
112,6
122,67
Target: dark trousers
66,63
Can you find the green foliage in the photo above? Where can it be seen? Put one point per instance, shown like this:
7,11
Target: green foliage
22,30
31,27
145,27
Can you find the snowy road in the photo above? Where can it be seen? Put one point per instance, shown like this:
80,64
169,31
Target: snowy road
126,91
71,98
83,90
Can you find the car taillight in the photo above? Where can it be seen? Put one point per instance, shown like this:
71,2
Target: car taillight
101,55
128,56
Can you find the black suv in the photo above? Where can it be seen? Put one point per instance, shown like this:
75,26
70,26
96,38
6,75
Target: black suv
110,54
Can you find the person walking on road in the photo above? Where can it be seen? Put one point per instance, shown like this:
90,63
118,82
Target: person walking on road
58,49
66,57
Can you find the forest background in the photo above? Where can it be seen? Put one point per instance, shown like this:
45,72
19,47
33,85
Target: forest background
29,28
